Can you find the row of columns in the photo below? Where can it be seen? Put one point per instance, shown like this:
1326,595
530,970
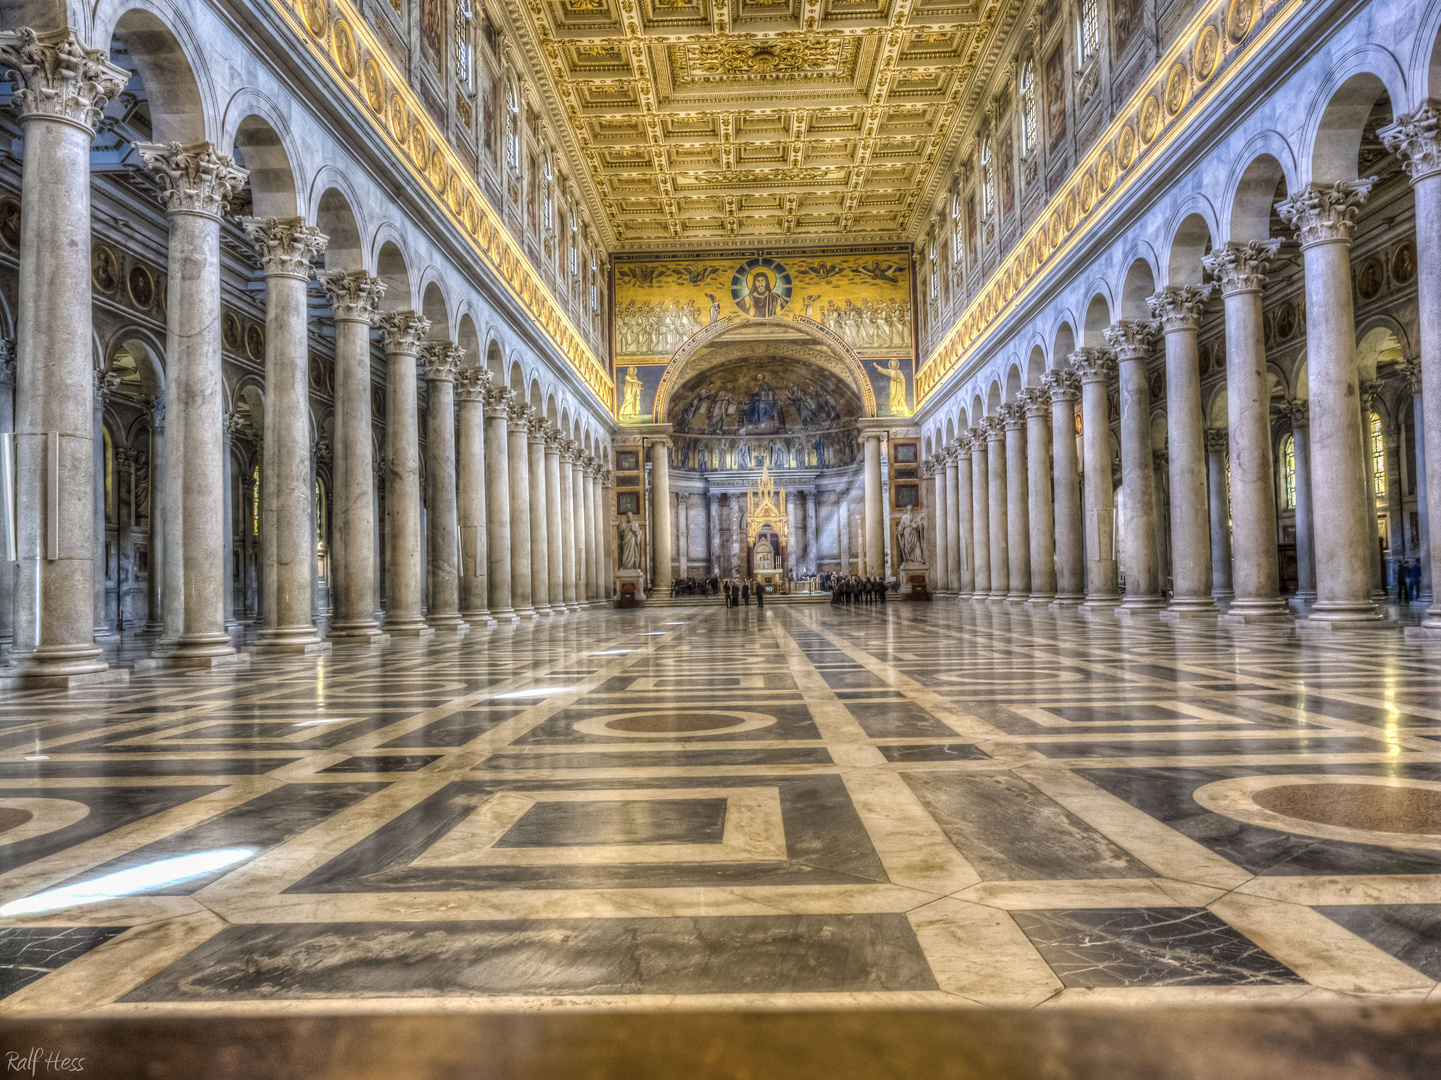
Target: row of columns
1023,479
558,551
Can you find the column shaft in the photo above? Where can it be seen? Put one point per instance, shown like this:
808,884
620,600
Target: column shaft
497,503
1018,523
471,386
1102,590
522,547
566,471
660,531
1066,484
875,508
942,565
980,515
1038,491
442,363
1132,342
1305,551
1219,499
402,333
554,544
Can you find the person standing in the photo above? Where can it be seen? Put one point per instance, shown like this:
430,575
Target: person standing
746,592
760,595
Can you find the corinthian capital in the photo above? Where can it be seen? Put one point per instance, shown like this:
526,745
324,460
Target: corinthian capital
1415,140
106,383
1325,215
402,331
994,427
442,360
1013,417
193,179
1130,339
1298,412
1178,307
1410,370
1241,267
1370,388
60,78
1061,385
1035,400
1218,440
1093,365
519,413
353,294
7,361
471,384
286,246
497,400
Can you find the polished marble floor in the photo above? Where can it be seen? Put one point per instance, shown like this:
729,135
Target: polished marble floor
698,807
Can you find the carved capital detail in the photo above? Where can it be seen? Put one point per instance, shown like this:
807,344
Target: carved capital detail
1061,385
1013,417
1093,365
1325,215
106,383
157,411
1218,440
402,331
442,361
1369,389
353,294
1416,140
1410,370
1036,400
1298,412
286,246
60,79
7,361
1178,307
994,427
1241,267
472,383
193,179
1131,339
498,400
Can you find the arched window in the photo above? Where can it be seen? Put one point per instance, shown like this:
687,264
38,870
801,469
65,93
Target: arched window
931,256
574,246
1087,31
956,227
1378,455
1288,472
1028,107
464,52
512,127
988,178
594,289
549,196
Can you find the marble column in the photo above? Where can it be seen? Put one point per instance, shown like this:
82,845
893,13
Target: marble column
522,546
596,518
1240,268
1095,367
1131,342
1368,391
565,472
713,550
554,560
471,385
942,564
1323,218
998,506
1064,388
286,248
1300,413
1416,139
401,335
874,540
155,519
660,525
580,484
442,535
980,513
233,426
1219,499
61,88
1178,309
1018,520
105,385
196,185
7,427
1411,369
812,564
843,535
353,298
498,403
948,473
1037,405
605,497
540,429
682,533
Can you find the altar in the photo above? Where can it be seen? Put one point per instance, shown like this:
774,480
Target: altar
767,531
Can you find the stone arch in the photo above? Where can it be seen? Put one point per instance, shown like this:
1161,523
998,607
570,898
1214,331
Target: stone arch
1268,166
1063,344
674,370
138,357
261,142
334,215
468,340
1386,321
1351,91
1191,240
1098,317
1015,382
392,269
1425,65
434,307
1036,365
159,42
1140,283
495,359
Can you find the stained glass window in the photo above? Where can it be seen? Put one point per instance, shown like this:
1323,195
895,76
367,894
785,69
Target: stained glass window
1378,455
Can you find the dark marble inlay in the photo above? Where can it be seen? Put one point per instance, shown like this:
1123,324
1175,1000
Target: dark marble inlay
792,722
456,729
383,763
1341,744
1357,806
1149,947
28,953
239,766
716,955
897,720
1009,831
633,821
651,759
1409,932
934,752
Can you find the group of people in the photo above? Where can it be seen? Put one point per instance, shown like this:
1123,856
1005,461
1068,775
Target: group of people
689,586
738,591
857,590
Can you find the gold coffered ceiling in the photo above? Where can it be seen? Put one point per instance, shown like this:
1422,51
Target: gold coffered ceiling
775,121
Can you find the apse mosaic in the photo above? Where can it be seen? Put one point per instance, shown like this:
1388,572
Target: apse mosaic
772,411
865,299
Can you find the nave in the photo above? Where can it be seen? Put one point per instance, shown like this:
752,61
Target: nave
909,805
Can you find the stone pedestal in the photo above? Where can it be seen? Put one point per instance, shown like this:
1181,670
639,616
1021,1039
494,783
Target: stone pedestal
629,589
915,581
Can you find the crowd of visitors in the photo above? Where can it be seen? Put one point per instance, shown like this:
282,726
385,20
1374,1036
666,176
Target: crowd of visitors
689,586
857,590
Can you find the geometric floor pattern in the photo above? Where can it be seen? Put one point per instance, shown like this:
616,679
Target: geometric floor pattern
930,804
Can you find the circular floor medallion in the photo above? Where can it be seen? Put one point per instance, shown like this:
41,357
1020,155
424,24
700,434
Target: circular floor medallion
25,819
673,723
1380,810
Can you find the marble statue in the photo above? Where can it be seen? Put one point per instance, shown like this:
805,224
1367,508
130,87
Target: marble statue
910,537
629,543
